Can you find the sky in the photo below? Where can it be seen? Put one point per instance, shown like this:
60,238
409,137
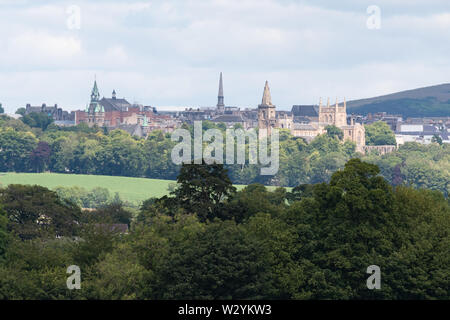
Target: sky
170,52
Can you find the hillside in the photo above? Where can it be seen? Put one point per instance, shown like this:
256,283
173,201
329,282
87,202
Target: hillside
431,101
133,190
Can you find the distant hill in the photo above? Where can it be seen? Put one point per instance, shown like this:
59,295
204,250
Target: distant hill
431,101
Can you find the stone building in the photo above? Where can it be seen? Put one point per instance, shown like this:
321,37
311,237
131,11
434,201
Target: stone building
315,120
112,112
57,114
333,115
268,118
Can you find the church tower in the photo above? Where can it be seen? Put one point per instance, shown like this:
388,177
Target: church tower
266,114
220,98
332,115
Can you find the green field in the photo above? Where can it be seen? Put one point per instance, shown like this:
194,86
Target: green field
133,190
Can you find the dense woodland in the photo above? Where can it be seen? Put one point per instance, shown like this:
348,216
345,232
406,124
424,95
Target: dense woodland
207,241
34,144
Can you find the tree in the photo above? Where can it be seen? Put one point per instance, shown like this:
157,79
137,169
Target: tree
3,233
113,213
219,261
253,199
40,157
300,192
16,148
379,133
97,198
344,229
1,109
335,132
21,111
202,188
35,211
397,176
37,120
437,139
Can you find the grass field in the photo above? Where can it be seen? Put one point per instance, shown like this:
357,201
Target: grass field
133,190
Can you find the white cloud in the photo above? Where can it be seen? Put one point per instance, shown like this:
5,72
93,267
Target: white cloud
44,46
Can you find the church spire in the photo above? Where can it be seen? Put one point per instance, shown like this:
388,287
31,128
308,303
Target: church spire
220,100
221,86
95,95
267,99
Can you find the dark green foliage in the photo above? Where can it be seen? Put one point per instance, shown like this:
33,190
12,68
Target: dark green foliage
437,139
334,132
201,189
300,192
313,243
113,213
34,211
37,120
16,149
3,233
379,134
357,221
21,111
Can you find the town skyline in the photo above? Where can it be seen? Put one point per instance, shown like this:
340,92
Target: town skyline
174,108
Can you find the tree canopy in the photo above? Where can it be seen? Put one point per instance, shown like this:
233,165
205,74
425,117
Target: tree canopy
379,133
314,242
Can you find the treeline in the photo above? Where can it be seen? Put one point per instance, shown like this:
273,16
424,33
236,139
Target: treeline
84,150
207,241
93,199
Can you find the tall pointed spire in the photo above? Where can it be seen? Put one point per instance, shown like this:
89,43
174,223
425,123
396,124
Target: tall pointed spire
267,99
220,98
95,95
221,86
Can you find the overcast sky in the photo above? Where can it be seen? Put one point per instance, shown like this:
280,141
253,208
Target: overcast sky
170,52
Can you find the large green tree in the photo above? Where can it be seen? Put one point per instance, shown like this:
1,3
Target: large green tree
379,133
37,120
3,233
16,148
35,211
201,189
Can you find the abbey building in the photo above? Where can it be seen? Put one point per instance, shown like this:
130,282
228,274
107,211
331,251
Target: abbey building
316,124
